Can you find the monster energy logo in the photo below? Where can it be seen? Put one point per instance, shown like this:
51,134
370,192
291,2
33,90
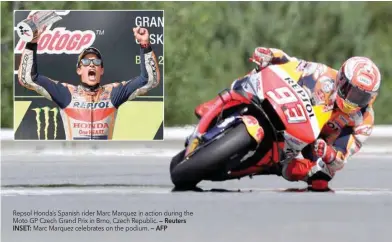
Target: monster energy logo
46,111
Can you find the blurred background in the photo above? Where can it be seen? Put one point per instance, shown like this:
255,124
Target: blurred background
208,43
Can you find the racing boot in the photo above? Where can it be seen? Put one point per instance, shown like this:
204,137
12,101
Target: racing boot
319,176
316,174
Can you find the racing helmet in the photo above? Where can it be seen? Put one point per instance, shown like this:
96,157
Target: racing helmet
358,83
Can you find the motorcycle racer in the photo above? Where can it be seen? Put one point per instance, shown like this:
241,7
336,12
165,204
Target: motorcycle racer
349,92
89,109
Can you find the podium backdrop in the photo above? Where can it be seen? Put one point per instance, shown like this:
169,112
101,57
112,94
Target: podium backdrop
111,32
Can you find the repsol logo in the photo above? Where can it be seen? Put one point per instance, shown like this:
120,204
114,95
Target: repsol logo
91,105
302,94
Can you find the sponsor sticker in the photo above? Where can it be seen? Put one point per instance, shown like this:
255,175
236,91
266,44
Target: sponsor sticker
49,116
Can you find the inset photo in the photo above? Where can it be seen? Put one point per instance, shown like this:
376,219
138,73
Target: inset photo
88,75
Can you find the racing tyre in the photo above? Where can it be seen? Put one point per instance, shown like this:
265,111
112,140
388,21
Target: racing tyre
177,159
186,174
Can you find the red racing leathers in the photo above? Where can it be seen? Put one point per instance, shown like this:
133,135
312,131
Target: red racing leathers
344,134
88,114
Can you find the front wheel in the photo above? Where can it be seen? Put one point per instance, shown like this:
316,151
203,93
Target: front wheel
212,158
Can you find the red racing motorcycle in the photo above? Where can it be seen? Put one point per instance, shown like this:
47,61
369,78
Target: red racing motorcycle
253,128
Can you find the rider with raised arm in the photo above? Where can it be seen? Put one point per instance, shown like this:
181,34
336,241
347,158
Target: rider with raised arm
89,110
349,92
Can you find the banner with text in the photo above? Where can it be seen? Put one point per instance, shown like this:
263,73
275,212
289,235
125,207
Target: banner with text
37,118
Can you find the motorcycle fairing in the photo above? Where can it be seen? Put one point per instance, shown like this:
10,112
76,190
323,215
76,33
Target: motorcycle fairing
293,104
251,124
322,115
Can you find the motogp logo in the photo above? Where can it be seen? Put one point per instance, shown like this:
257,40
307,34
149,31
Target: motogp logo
60,40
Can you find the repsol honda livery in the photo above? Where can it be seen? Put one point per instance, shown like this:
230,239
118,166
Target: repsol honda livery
254,128
88,113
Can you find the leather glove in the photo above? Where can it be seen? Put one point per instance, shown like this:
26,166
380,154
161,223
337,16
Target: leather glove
324,151
262,56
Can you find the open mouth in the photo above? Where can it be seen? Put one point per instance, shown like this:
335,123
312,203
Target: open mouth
91,75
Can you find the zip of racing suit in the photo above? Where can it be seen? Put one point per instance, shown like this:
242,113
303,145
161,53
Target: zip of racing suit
88,114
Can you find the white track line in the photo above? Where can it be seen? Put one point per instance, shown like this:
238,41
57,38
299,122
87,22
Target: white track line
121,191
80,191
371,152
131,152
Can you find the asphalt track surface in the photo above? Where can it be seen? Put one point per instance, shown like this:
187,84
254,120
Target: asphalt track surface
258,209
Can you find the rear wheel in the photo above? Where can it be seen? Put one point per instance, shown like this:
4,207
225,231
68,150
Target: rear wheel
210,159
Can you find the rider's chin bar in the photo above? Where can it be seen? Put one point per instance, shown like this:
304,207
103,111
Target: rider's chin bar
258,64
146,47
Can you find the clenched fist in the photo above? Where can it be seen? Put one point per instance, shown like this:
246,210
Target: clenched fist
141,35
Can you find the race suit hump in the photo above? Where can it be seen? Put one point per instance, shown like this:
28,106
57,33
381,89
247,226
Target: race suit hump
345,132
88,114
